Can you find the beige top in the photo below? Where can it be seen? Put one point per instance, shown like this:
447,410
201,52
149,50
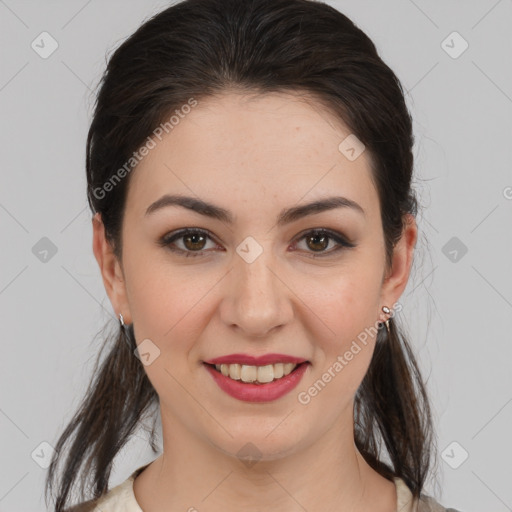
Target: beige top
122,499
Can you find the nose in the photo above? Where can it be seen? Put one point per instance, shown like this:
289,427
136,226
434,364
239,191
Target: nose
256,298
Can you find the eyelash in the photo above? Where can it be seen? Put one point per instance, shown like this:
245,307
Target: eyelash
169,238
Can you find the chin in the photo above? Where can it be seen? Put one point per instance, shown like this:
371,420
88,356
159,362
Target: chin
258,445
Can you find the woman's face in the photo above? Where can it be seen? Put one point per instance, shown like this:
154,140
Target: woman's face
260,282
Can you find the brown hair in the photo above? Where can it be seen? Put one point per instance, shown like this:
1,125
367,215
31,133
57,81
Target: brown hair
198,48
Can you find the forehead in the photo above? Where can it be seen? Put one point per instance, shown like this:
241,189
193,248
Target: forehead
253,148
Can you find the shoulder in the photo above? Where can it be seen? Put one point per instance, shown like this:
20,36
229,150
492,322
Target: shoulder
429,504
426,503
112,501
115,500
86,506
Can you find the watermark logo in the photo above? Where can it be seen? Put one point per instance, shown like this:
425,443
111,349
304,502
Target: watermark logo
138,156
44,250
249,454
43,454
351,147
454,249
147,352
454,455
454,45
44,45
249,249
304,397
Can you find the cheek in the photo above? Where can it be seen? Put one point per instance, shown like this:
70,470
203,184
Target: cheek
169,307
346,301
167,302
344,342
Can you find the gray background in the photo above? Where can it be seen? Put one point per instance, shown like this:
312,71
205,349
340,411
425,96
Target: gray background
457,307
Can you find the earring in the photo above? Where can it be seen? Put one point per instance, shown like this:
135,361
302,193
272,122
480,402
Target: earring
121,320
386,310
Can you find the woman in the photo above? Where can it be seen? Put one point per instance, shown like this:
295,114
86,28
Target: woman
249,171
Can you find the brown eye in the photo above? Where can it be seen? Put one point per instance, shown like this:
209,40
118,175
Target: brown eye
318,240
192,240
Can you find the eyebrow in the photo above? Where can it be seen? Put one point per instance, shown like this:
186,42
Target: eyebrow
286,215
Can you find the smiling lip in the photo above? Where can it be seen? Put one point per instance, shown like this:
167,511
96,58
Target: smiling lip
255,361
248,392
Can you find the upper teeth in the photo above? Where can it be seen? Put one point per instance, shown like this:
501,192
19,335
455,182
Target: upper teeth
261,374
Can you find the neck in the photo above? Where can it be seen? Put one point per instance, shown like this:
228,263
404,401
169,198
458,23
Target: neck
329,475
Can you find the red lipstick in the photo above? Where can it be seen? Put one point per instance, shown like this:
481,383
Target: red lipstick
257,392
256,360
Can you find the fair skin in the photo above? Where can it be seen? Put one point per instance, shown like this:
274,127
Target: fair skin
254,157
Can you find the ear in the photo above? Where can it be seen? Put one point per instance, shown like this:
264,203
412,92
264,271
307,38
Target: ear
396,280
111,270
